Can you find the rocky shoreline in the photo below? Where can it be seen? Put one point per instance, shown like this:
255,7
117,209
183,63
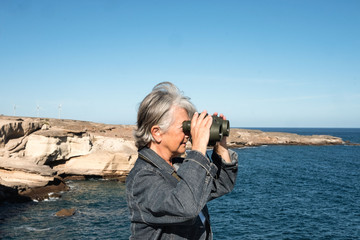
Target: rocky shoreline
37,155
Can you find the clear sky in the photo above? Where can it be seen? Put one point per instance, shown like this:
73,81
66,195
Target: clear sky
270,63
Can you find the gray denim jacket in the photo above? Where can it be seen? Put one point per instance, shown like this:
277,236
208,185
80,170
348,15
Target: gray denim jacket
165,203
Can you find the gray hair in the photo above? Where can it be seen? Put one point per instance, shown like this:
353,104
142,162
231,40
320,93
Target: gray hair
157,108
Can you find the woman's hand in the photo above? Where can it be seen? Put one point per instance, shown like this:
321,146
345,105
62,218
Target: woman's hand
200,131
221,147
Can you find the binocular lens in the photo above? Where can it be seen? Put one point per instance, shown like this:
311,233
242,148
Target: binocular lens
218,129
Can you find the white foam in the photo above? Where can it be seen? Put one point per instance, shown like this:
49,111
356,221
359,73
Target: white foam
32,229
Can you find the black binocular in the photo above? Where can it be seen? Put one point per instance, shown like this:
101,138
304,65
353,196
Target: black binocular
219,128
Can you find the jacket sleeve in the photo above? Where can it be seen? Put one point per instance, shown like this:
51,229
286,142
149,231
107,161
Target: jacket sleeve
157,200
226,175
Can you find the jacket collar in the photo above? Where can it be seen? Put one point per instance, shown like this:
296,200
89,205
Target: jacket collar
153,158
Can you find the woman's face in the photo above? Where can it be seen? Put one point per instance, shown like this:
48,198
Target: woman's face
174,140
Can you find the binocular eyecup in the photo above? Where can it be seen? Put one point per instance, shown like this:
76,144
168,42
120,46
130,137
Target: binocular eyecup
219,128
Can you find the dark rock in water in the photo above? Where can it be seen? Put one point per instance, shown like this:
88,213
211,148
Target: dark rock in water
42,193
8,194
75,177
66,212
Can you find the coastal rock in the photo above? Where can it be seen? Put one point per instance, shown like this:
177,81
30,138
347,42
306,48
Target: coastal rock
15,128
48,147
10,194
113,145
23,179
33,156
51,190
66,212
103,164
23,173
245,137
109,157
27,180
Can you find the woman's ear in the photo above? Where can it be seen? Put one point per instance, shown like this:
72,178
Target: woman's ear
156,133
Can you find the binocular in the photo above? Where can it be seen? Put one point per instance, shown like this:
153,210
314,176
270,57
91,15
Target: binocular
219,128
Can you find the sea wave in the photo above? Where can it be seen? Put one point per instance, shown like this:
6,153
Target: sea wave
33,229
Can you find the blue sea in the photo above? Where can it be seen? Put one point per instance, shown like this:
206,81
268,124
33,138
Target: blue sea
282,192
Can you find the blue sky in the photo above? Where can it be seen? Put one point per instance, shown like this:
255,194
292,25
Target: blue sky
268,63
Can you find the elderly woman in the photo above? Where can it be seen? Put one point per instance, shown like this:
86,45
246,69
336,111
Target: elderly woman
166,194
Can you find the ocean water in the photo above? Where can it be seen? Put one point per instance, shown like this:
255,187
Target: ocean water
282,192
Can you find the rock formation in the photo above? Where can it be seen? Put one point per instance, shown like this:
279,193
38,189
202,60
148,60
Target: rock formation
65,212
36,154
244,137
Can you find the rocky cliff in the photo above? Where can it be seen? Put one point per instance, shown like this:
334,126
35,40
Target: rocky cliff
37,154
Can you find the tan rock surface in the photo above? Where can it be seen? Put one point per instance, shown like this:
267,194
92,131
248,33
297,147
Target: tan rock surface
22,179
25,165
16,127
34,151
47,149
103,164
109,156
245,137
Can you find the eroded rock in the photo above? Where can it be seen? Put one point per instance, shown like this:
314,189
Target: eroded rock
60,145
15,128
103,164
